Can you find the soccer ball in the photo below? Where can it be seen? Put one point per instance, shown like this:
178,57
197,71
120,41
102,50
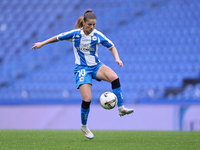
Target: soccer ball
108,100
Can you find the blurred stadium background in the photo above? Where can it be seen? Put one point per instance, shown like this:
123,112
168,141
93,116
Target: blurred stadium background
158,41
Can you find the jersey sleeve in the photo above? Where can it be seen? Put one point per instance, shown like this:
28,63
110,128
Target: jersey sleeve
105,41
66,35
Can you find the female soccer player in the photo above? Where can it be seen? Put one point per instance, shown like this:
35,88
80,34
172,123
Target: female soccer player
86,39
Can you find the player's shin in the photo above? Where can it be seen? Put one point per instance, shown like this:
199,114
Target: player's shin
85,109
117,90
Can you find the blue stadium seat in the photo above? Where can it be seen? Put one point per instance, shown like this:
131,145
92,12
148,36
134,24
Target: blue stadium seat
158,46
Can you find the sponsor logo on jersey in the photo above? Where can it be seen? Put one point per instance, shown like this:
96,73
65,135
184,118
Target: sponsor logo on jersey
77,36
85,47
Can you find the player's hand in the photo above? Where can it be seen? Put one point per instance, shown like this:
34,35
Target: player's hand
119,62
37,45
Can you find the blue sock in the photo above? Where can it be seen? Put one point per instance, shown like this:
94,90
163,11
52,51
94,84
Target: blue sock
119,94
84,115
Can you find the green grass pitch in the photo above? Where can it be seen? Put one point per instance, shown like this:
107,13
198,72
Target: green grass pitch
103,140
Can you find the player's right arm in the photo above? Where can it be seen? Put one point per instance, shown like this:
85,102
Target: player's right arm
40,44
63,36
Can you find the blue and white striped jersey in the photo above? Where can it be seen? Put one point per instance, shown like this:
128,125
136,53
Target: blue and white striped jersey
86,46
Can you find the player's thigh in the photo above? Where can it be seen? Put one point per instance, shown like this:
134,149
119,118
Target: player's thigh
106,73
85,90
83,76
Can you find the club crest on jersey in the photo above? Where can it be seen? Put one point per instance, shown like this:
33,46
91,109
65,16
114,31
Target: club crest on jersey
94,38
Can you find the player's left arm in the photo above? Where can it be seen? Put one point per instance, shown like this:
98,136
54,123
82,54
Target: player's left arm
116,56
109,44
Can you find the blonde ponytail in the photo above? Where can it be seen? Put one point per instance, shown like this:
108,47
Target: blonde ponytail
79,23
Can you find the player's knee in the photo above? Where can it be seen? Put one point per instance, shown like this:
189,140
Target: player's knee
87,98
113,78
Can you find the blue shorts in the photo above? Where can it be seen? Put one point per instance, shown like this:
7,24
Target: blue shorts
85,74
